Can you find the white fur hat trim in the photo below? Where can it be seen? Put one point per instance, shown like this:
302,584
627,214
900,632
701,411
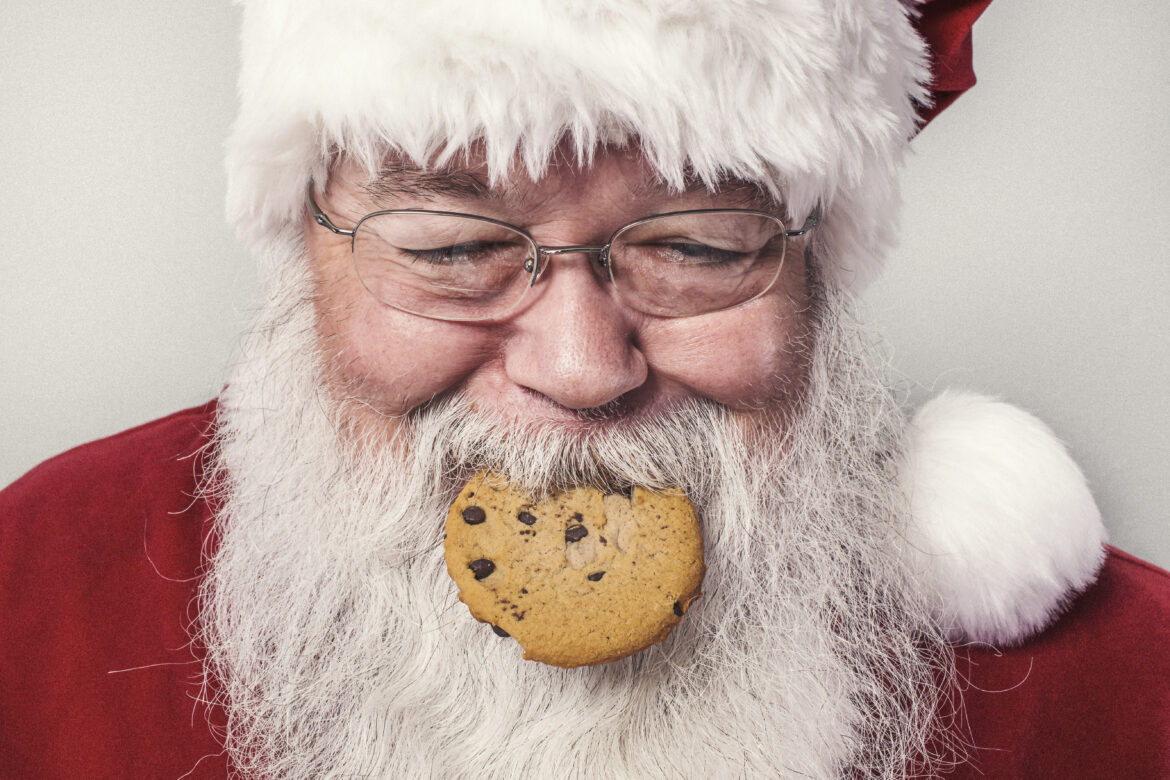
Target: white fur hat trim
813,99
1004,531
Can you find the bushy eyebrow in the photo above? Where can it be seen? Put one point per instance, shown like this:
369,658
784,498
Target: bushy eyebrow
740,193
399,179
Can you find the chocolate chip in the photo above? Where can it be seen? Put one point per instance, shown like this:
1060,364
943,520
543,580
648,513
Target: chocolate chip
575,533
526,518
602,540
481,567
577,518
678,610
474,515
596,576
500,632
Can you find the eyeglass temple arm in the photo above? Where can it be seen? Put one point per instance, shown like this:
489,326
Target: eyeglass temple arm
319,215
813,220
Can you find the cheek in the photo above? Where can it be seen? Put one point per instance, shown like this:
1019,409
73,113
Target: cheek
747,358
727,365
392,360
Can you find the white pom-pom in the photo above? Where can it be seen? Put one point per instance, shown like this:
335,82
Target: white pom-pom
1003,531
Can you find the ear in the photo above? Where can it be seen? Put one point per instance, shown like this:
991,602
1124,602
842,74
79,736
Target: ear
1003,531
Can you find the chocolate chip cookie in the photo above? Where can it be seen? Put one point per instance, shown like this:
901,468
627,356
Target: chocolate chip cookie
582,577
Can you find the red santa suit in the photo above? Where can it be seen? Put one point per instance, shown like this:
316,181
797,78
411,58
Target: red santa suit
101,553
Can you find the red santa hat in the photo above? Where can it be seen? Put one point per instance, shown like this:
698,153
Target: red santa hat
815,100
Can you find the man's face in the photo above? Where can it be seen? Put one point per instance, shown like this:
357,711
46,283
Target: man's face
329,620
571,345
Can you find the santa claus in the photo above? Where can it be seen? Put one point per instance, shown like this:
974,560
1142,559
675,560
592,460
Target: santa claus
577,244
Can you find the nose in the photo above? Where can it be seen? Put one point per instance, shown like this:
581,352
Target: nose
575,343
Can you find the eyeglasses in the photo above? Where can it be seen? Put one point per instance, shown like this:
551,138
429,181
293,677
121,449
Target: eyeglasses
449,266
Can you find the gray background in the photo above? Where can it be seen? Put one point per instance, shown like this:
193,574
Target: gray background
1033,263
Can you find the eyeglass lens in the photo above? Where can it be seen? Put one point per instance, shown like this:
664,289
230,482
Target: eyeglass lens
464,268
692,263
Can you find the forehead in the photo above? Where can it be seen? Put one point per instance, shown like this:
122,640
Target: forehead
611,174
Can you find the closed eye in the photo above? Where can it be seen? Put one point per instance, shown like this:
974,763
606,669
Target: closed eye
684,252
459,254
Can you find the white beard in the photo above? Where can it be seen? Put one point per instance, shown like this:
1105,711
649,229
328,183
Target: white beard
338,647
